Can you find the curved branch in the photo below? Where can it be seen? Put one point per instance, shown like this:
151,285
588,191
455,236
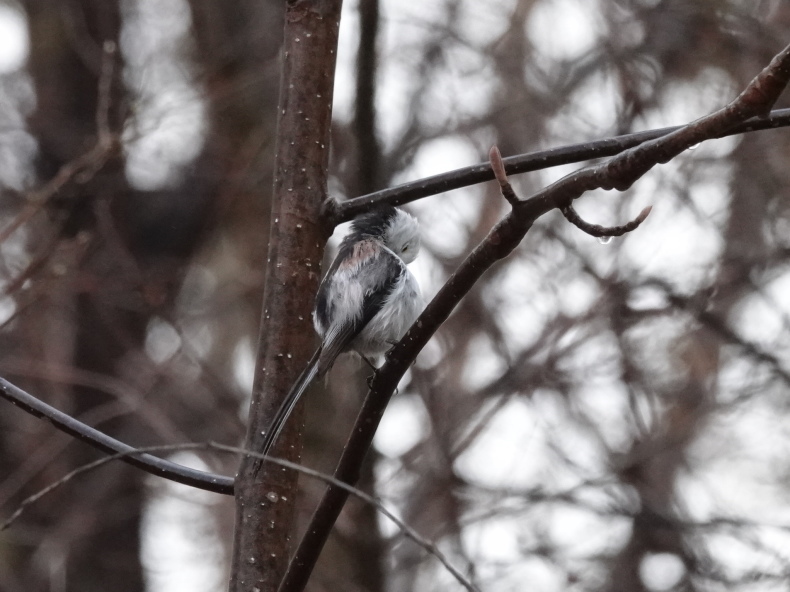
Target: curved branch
128,454
525,163
572,216
407,530
619,173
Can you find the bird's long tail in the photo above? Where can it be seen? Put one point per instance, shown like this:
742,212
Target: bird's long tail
288,404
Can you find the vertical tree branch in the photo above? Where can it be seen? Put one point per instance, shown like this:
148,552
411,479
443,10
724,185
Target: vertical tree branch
368,150
358,553
265,504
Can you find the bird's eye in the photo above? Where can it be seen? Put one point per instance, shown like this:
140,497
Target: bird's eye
405,248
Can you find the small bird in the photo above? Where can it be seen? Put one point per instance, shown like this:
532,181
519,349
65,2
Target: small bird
365,303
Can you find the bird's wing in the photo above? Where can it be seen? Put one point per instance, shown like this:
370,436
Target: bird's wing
364,271
365,278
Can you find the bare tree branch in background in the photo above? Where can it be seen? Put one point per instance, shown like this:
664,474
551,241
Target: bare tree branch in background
620,172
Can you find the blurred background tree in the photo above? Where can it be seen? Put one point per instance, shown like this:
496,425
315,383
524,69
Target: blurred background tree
593,417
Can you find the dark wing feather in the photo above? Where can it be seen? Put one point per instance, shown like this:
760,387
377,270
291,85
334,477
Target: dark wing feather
336,342
323,307
380,286
377,277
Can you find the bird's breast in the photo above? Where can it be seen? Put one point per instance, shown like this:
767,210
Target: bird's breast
389,325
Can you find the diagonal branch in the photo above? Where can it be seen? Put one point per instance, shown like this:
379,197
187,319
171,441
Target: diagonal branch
525,163
128,454
619,173
407,530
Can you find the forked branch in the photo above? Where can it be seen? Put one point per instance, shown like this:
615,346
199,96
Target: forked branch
620,172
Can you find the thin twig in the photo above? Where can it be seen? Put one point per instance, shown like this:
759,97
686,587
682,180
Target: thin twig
105,138
719,326
409,532
525,163
603,231
85,166
150,464
105,88
495,158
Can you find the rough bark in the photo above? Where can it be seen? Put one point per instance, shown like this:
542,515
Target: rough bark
265,503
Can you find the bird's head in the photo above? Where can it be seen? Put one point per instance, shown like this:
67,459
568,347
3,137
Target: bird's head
396,228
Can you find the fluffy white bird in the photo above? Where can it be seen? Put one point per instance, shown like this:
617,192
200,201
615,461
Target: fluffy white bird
365,303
